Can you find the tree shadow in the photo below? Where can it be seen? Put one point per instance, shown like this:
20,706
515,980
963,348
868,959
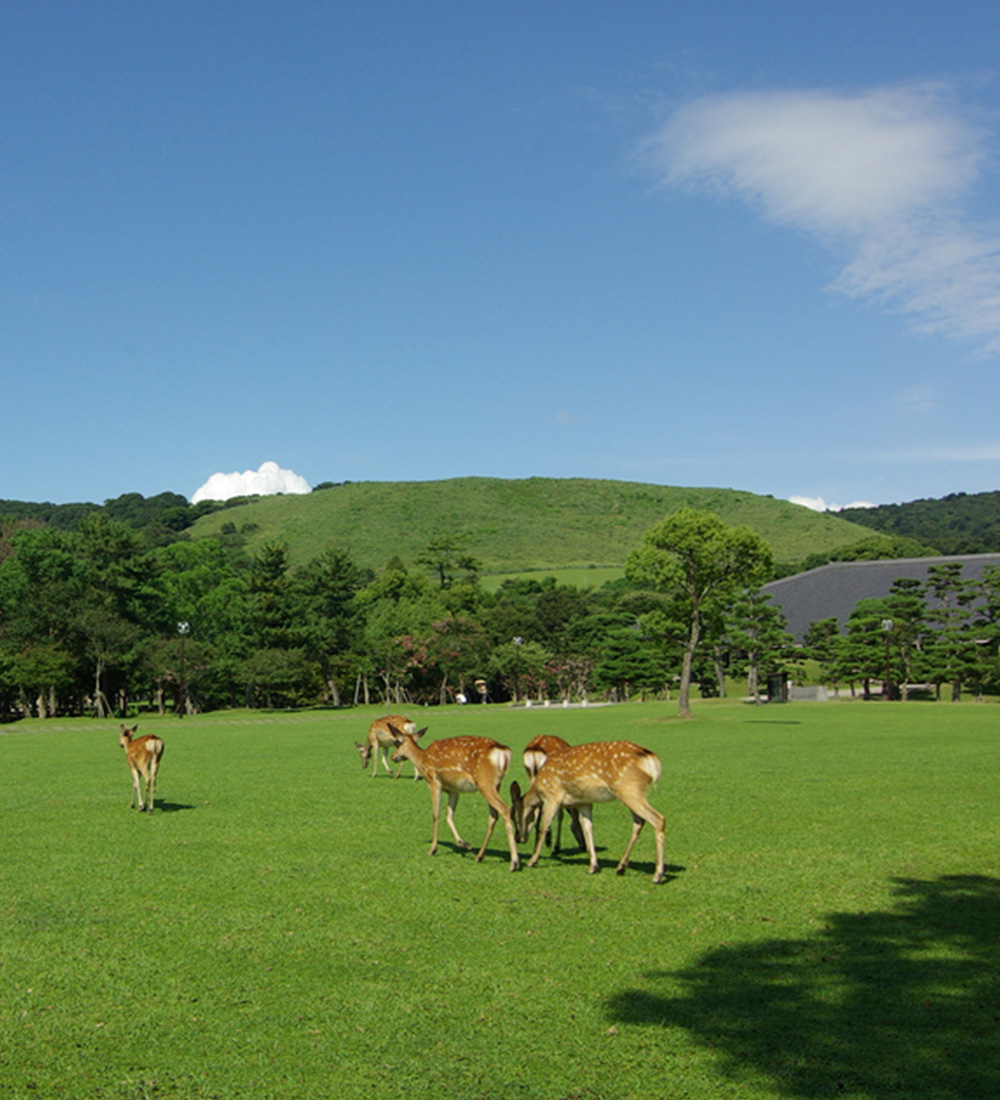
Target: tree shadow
901,1003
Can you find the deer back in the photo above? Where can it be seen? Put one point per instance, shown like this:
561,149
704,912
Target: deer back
538,750
460,763
597,772
140,750
381,729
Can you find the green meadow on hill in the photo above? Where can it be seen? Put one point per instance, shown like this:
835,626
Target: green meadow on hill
512,526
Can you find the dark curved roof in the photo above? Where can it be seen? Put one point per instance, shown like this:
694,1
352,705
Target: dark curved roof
831,591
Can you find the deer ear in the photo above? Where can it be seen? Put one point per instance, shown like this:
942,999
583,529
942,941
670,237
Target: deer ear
515,791
416,736
395,732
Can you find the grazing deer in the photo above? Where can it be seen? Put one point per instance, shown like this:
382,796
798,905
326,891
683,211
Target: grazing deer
581,775
457,765
143,758
380,739
535,753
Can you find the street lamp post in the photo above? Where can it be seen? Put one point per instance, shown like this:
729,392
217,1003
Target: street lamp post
183,629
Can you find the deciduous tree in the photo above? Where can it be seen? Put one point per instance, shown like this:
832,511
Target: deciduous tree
701,563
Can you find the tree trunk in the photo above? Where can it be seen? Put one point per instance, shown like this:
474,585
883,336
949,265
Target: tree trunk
720,672
684,695
100,703
753,683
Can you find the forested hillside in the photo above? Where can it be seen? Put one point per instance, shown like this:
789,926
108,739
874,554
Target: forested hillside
159,519
960,523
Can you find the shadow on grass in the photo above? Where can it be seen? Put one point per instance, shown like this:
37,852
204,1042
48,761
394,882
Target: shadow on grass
172,807
577,857
902,1003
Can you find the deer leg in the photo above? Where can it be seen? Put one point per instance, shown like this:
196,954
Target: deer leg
557,845
544,823
498,808
587,825
515,856
452,803
641,813
574,824
637,824
136,791
490,826
435,787
154,767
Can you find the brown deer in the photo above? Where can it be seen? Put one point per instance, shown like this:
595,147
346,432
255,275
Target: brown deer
143,758
535,753
581,775
458,765
380,739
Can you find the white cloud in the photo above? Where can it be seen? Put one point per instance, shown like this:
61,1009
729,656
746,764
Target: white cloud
818,504
266,481
880,176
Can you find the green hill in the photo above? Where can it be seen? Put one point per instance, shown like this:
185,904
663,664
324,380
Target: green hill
511,526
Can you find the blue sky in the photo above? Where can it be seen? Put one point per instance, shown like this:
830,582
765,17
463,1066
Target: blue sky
746,245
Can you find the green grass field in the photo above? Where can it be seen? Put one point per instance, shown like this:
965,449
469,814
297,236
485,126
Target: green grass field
830,924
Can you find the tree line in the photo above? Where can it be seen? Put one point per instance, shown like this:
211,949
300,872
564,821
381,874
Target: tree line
94,620
938,637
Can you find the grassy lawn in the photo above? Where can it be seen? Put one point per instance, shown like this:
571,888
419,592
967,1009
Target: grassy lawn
830,924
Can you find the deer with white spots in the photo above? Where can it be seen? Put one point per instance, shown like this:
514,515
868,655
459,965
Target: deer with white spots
581,775
143,757
380,740
534,755
458,765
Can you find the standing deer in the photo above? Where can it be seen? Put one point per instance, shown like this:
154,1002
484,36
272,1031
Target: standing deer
581,775
457,765
380,739
143,758
535,753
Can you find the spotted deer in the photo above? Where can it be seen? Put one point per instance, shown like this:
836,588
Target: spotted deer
581,775
534,755
380,740
458,765
143,757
